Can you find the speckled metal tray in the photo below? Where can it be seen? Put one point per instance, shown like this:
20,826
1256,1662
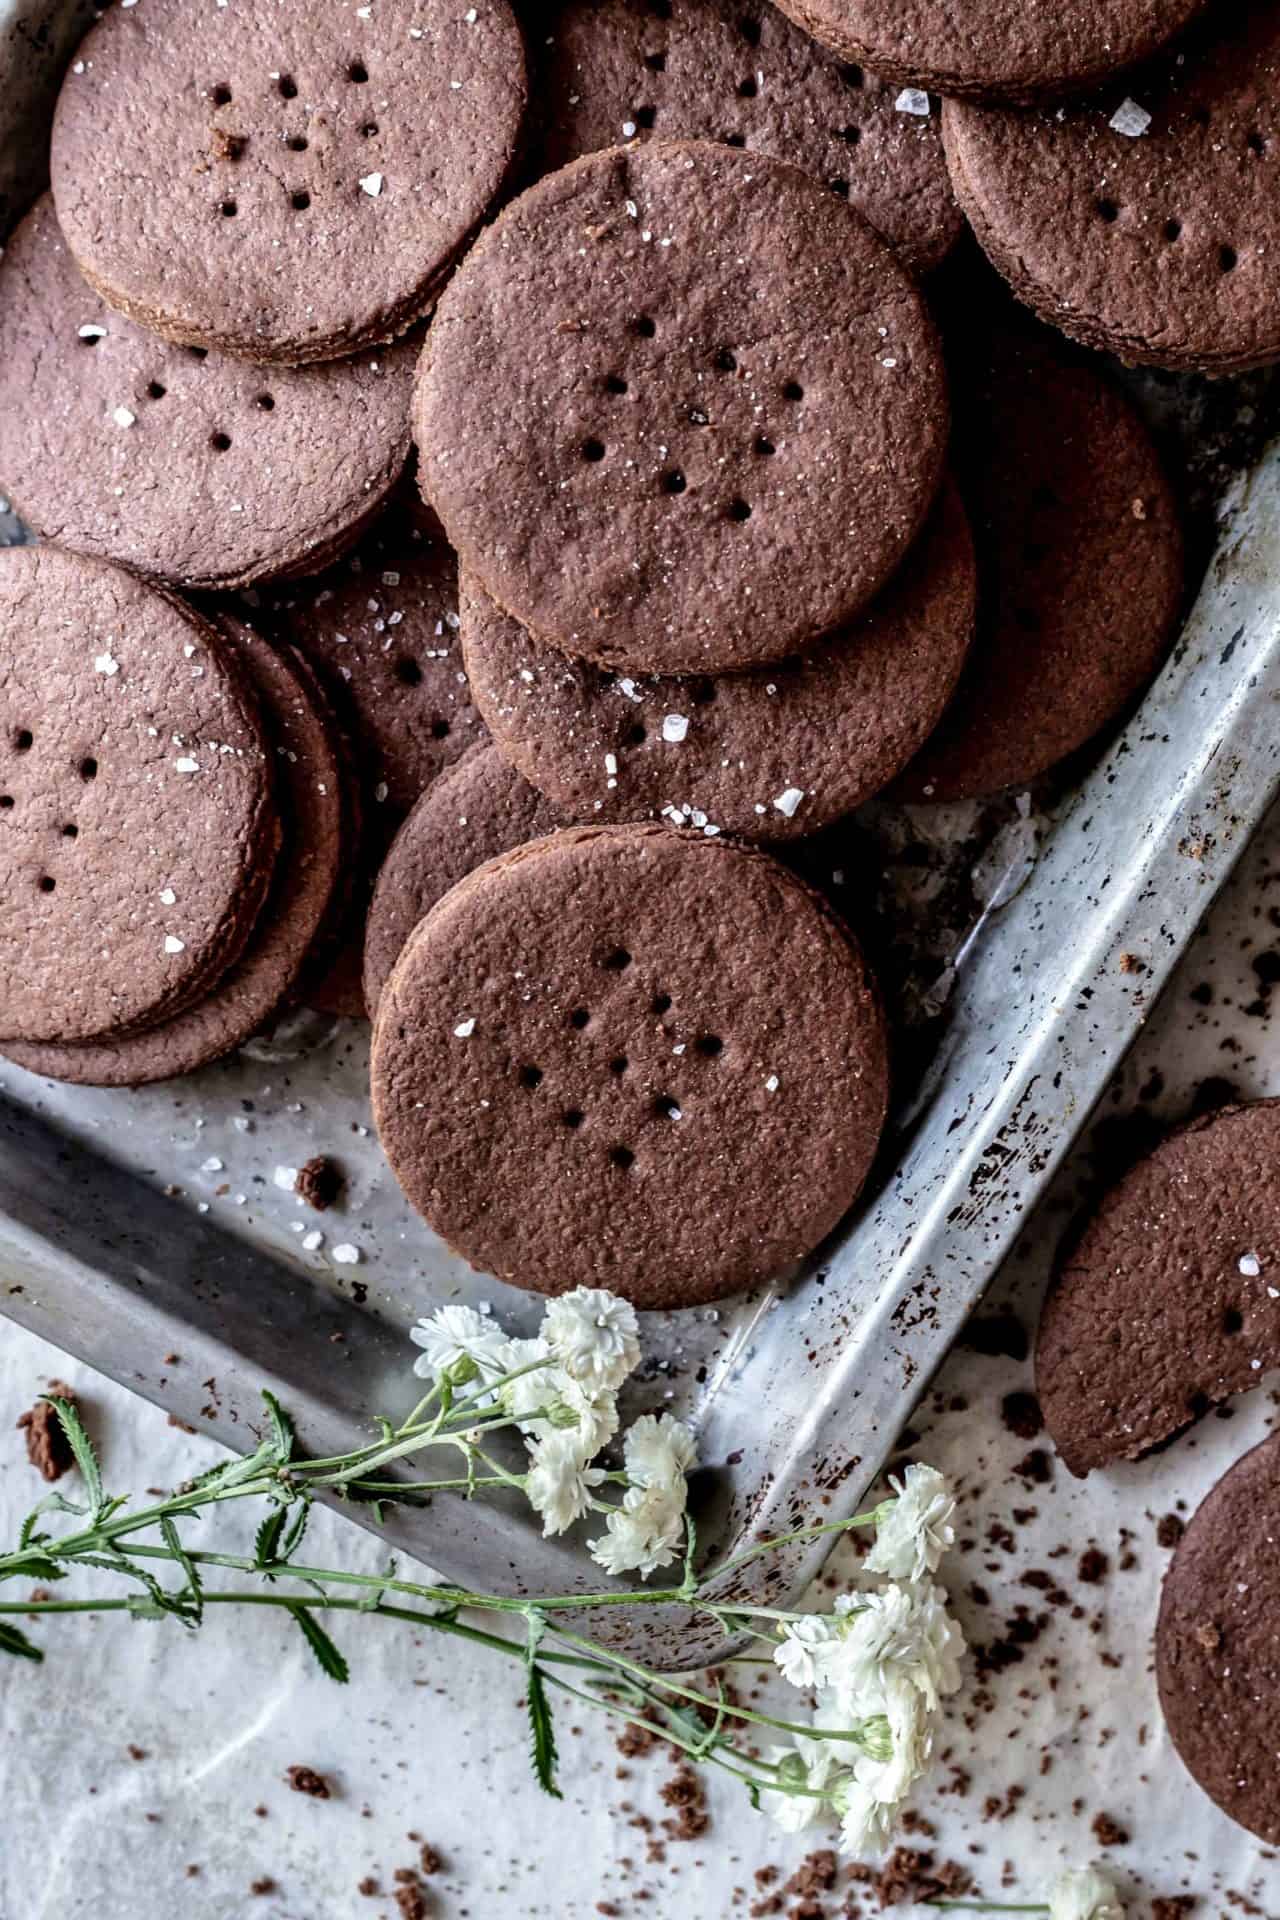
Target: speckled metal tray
154,1233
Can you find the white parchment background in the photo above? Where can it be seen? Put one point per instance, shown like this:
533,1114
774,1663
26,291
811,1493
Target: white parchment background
430,1739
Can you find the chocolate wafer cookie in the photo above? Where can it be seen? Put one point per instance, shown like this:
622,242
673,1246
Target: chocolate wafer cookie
1140,219
280,183
703,442
138,829
1218,1643
990,49
478,809
630,1057
189,466
609,71
1169,1302
1079,568
294,918
770,754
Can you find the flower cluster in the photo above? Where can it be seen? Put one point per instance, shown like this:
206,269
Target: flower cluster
880,1665
561,1390
1083,1893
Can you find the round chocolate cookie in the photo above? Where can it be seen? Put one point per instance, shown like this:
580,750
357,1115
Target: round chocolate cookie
477,810
708,437
1218,1643
188,466
1079,570
770,754
280,183
381,629
137,825
1144,219
1169,1301
307,884
990,49
615,70
626,1057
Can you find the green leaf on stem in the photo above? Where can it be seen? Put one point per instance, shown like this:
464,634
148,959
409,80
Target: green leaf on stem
541,1725
282,1433
28,1537
13,1640
331,1660
543,1732
266,1541
33,1565
82,1447
193,1598
297,1527
689,1585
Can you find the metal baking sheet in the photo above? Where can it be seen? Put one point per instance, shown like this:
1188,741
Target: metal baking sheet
154,1234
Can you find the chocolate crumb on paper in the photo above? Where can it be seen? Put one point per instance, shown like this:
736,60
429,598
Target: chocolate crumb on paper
307,1780
48,1448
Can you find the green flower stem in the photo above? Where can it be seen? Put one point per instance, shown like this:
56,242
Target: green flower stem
988,1906
550,1658
634,1669
762,1547
457,1597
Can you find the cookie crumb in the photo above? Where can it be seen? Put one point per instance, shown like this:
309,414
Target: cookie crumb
319,1182
307,1780
48,1448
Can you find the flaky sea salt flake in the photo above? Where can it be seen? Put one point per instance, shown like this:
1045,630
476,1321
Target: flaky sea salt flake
1130,119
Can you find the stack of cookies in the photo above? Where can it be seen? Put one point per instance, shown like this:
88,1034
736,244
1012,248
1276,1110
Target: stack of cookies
733,507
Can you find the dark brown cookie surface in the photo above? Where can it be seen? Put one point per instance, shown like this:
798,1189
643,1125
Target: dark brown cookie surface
278,183
708,437
990,49
478,809
624,1056
381,629
307,880
137,824
193,468
1170,1300
770,754
607,71
1079,570
1144,219
1218,1643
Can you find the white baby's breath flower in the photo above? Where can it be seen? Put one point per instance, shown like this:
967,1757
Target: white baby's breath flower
914,1530
906,1627
1082,1893
866,1823
595,1414
594,1335
559,1482
793,1812
659,1451
882,1780
804,1649
460,1342
536,1381
644,1533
